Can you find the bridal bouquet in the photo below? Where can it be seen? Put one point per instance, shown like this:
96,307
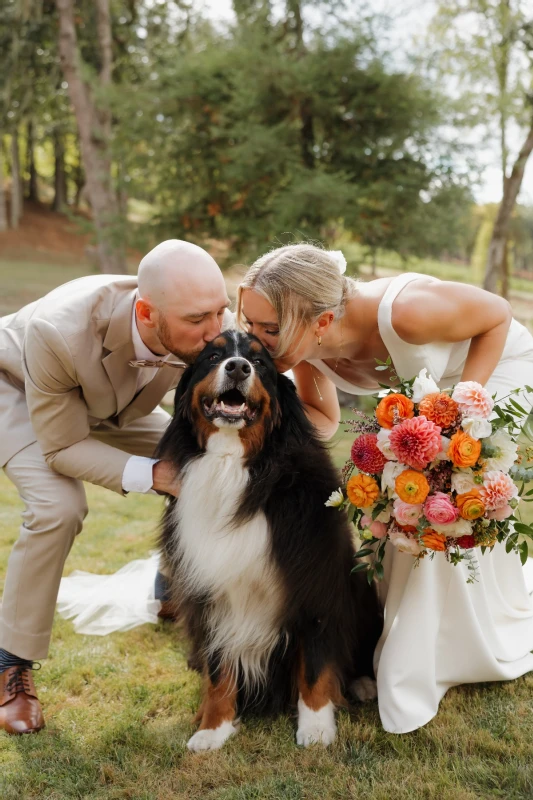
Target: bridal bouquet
437,471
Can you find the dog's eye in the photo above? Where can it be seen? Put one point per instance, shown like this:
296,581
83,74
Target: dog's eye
214,357
258,361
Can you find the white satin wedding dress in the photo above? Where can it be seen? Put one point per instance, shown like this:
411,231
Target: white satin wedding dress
439,630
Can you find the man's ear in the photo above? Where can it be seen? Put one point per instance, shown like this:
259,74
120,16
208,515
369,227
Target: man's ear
145,311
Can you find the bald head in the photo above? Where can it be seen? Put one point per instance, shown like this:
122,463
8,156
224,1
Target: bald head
178,274
182,299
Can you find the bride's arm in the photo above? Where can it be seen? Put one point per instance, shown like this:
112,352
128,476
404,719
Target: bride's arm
311,386
444,311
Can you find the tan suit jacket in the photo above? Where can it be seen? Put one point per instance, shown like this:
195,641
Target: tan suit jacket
64,371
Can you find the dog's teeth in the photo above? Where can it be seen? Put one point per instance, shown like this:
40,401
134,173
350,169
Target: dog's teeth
243,407
222,406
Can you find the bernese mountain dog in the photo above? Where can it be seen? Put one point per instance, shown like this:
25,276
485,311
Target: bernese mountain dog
260,568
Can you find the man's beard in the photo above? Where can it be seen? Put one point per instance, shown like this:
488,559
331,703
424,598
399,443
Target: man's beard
163,334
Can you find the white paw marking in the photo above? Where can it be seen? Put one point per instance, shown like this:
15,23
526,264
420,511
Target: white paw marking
315,727
211,738
365,689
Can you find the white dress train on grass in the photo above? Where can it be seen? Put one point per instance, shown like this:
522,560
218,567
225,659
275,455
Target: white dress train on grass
441,631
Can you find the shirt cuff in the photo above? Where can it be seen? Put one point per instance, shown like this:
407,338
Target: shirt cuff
138,474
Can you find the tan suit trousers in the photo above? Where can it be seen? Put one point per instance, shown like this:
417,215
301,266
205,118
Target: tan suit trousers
55,507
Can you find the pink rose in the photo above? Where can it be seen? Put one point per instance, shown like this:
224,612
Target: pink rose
438,509
406,513
377,529
500,514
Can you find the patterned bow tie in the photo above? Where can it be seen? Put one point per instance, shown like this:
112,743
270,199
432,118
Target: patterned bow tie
156,364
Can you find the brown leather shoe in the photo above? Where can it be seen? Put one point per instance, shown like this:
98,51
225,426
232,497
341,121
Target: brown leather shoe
20,710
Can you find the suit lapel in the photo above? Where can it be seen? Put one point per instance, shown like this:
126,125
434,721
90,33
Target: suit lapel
118,342
151,395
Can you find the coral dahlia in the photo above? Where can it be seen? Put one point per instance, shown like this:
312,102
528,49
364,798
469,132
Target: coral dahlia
415,442
498,488
366,455
473,400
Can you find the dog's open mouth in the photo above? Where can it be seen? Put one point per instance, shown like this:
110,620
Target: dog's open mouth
231,405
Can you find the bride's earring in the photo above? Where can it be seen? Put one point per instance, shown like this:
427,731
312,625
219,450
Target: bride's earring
319,340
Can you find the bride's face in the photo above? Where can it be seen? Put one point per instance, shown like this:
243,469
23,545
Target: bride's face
262,321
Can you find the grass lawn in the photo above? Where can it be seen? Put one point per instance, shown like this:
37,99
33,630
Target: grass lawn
120,709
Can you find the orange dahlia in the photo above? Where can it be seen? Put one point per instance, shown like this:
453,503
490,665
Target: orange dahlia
362,490
439,408
411,486
463,450
433,540
470,504
394,408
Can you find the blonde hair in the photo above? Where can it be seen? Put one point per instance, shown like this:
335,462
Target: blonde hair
301,282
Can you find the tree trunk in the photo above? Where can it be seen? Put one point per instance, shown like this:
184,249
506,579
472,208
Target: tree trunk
496,256
16,194
94,126
33,192
60,177
3,209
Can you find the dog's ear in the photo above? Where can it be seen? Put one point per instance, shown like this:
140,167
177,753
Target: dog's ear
289,417
180,405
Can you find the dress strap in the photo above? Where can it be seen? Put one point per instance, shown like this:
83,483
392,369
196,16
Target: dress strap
407,358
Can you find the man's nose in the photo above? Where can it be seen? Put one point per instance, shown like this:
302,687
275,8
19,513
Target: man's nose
238,369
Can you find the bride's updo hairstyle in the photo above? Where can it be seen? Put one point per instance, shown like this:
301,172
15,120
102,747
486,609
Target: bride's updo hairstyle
300,281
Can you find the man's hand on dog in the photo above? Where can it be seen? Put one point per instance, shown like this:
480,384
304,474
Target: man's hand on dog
165,478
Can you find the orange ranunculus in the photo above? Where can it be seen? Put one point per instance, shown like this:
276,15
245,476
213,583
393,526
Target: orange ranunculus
394,408
362,490
411,486
463,450
439,408
470,504
433,540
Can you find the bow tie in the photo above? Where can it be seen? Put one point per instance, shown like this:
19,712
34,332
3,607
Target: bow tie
157,364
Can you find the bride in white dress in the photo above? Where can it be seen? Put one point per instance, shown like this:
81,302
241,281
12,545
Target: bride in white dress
440,631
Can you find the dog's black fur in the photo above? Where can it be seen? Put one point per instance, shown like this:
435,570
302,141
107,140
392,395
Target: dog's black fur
333,616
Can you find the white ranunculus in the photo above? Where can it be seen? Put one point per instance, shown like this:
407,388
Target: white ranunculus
391,470
335,499
338,257
423,385
504,459
404,543
460,527
476,428
463,481
383,444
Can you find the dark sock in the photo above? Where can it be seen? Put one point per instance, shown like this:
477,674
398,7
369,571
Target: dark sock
161,589
8,660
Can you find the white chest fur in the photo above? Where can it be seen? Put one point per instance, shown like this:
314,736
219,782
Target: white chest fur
231,564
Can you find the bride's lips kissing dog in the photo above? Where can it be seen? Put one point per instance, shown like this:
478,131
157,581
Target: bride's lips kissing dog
260,568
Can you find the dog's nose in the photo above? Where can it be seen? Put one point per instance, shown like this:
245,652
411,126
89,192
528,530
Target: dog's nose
238,369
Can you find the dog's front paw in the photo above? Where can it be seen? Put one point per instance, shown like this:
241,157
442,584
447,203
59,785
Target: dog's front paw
211,738
315,727
364,689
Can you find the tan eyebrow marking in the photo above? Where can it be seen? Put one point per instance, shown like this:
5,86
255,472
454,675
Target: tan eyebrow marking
220,341
255,347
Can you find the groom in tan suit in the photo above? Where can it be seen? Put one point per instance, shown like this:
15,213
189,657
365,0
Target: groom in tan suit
74,408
